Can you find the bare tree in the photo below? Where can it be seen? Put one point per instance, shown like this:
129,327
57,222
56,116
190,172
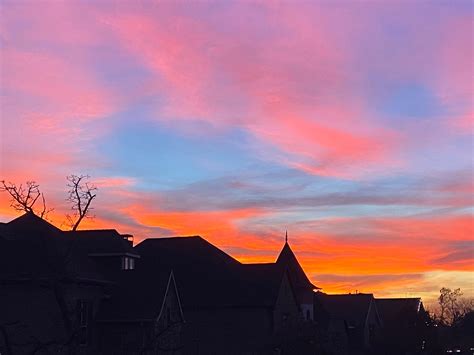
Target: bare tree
24,197
81,194
452,307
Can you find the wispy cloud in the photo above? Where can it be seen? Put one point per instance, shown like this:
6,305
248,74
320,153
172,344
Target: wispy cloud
241,120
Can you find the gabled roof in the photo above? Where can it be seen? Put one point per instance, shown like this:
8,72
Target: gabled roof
351,308
287,259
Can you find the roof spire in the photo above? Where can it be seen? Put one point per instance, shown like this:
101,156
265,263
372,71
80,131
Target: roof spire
286,236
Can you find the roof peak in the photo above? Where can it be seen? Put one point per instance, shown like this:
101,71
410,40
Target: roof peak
30,219
287,259
286,256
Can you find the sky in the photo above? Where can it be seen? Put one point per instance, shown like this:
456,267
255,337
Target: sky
347,123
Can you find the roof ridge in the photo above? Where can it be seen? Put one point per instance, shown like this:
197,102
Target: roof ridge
270,263
397,298
174,237
94,230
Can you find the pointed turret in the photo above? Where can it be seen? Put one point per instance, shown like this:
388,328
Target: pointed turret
288,260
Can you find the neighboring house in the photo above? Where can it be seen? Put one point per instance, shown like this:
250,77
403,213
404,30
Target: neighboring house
406,325
229,307
93,292
53,284
49,293
351,322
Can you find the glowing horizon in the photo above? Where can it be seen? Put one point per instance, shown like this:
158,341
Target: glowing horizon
349,124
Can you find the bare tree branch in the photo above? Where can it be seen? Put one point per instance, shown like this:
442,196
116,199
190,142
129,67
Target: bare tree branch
23,198
81,194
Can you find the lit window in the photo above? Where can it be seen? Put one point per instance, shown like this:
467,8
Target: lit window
128,263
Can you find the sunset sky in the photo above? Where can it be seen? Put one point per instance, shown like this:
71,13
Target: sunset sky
347,123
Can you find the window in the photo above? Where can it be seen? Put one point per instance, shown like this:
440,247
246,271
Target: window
83,317
128,263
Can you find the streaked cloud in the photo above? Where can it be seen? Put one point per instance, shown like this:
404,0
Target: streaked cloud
349,125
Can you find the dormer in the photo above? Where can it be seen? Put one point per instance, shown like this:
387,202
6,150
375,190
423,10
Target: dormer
113,252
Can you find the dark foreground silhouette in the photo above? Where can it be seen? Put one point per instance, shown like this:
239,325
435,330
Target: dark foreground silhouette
93,292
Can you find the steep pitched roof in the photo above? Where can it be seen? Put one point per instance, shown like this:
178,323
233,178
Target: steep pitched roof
287,259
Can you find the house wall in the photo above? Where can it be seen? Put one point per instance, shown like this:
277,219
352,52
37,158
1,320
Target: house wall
111,266
42,314
121,338
227,330
241,330
29,318
286,314
86,340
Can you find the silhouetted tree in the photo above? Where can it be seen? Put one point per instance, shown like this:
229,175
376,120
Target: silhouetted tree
452,307
81,194
24,197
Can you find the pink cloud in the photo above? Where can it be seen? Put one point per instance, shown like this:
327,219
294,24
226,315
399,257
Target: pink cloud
463,124
227,81
62,87
50,95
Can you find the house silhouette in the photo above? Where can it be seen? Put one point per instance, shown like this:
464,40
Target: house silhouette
93,292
